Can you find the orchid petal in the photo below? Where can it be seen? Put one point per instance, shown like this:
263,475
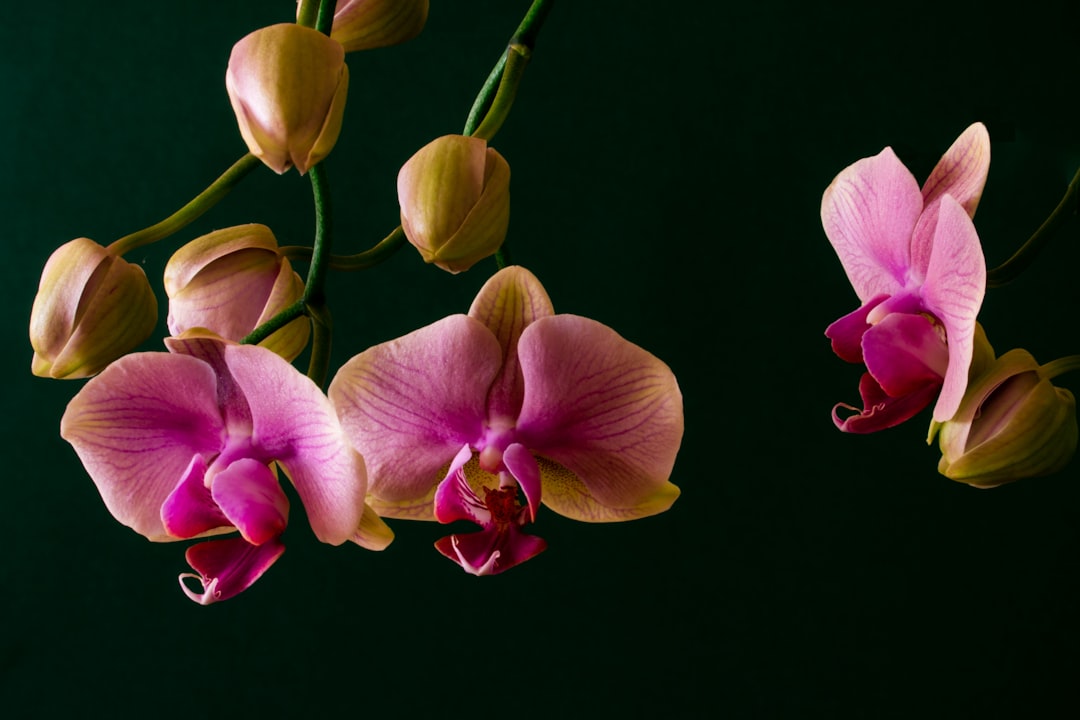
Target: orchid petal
294,424
190,510
904,353
509,301
868,213
492,550
953,291
136,427
227,567
601,406
408,405
210,348
882,411
372,533
219,301
847,332
248,493
962,170
567,495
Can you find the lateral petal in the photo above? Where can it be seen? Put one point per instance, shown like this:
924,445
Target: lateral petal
190,510
904,353
136,427
869,212
953,291
847,332
294,424
408,405
601,406
249,495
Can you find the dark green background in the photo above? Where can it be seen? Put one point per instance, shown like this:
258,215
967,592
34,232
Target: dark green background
668,161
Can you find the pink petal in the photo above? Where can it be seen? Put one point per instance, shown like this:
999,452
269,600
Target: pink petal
227,567
869,212
190,509
565,494
603,407
904,353
522,466
953,291
136,427
408,405
847,332
492,550
249,494
507,303
962,170
882,411
294,424
210,348
455,498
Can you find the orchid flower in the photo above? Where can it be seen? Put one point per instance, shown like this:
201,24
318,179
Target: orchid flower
461,419
914,260
184,444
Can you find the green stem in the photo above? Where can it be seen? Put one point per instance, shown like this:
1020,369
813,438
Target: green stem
319,362
360,261
524,37
1011,268
190,212
307,13
517,57
325,20
1062,365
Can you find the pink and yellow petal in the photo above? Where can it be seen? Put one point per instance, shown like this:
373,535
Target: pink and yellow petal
601,406
136,426
568,496
962,170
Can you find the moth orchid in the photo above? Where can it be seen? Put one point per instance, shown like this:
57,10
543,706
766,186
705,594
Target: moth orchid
915,262
486,416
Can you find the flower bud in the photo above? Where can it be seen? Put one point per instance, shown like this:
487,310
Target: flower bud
1012,424
91,307
367,24
230,282
455,201
287,85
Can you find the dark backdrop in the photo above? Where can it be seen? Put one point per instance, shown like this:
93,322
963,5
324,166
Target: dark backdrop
668,162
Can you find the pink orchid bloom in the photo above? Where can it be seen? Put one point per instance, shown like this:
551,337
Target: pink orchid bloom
459,417
183,445
914,259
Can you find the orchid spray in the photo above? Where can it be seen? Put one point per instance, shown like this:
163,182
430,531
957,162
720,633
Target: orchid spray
484,416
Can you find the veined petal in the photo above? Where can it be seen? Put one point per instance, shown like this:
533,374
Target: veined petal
249,495
190,510
227,567
962,170
294,424
136,427
507,303
904,353
953,291
455,499
408,405
601,406
869,212
847,332
228,296
567,495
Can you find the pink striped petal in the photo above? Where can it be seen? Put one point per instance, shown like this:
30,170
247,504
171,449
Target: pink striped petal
249,495
507,303
869,212
492,550
953,291
455,498
606,409
408,405
136,427
227,567
294,424
962,170
190,509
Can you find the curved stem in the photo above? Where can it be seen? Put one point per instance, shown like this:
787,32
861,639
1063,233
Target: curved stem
1008,271
517,57
524,37
349,263
321,331
187,214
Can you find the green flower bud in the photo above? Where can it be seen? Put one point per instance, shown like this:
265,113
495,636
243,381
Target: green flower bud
91,307
1012,424
455,201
